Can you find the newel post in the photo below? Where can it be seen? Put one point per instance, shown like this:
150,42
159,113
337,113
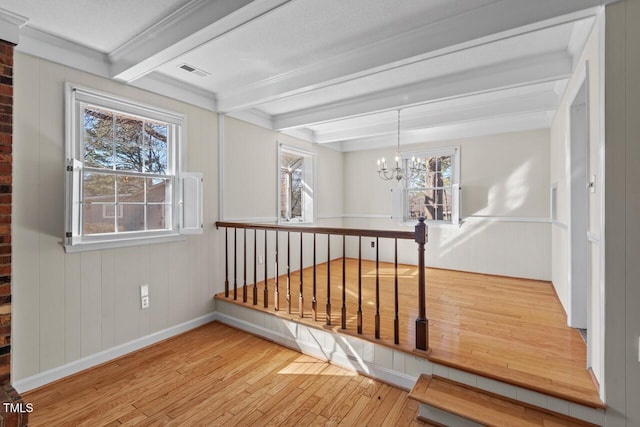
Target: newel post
422,323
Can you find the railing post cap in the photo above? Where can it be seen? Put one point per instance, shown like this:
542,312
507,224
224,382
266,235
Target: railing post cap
421,231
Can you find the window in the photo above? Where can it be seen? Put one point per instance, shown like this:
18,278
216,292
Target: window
124,180
434,192
295,183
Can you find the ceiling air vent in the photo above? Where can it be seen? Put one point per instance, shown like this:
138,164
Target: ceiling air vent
191,69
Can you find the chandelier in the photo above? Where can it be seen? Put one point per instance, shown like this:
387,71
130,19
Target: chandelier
414,167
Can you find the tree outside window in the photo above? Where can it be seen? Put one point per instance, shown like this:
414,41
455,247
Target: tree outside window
295,185
432,193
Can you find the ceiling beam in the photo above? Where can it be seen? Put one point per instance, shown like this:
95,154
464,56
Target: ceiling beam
187,28
496,21
440,114
538,69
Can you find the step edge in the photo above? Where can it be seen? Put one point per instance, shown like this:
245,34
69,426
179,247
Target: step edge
417,397
434,359
521,384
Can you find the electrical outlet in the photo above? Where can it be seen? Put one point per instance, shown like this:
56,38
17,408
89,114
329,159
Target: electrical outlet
373,244
260,259
144,296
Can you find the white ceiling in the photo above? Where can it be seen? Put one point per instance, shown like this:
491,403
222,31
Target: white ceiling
99,25
332,71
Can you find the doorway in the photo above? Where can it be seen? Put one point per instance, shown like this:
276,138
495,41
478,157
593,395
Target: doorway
579,266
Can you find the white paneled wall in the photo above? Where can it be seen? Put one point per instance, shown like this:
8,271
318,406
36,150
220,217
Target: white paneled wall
506,248
504,204
72,306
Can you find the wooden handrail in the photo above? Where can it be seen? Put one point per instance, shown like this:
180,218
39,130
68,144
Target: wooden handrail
419,236
334,231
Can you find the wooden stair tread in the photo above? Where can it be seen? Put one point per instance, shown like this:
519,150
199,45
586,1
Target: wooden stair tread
483,407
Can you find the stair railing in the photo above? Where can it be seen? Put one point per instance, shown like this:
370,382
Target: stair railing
419,236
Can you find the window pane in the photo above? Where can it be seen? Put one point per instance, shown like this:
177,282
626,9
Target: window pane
438,204
446,204
98,187
291,185
158,217
285,194
130,189
296,192
97,220
128,137
158,190
133,218
98,138
418,180
416,200
444,168
155,147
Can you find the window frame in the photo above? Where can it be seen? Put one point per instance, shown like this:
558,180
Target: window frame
454,152
76,98
308,202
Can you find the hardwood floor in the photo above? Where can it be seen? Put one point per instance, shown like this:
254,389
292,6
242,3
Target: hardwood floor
216,375
510,329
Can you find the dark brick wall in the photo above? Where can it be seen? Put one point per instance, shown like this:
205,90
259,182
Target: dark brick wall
11,417
6,140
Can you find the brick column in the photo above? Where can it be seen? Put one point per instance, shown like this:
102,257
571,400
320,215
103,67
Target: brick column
11,412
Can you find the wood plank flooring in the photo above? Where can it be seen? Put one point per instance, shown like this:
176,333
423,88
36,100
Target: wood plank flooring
510,329
216,375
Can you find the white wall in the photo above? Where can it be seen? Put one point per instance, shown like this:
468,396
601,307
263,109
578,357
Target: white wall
505,205
71,306
251,173
587,69
622,210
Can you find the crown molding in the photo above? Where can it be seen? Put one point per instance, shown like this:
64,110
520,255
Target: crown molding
55,49
258,118
254,117
164,85
10,25
302,134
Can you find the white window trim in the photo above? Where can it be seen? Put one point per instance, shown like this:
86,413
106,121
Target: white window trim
310,204
74,240
456,220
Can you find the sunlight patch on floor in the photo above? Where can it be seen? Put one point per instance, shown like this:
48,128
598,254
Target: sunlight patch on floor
306,365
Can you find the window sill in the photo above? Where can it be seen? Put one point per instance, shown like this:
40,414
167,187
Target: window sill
294,222
435,224
122,243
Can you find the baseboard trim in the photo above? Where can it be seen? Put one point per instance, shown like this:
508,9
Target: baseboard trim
361,366
43,378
